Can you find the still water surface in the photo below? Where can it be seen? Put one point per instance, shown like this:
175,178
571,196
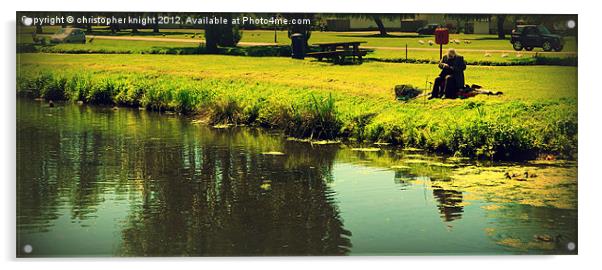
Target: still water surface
93,181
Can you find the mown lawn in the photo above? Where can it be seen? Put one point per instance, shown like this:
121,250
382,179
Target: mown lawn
392,48
372,39
120,46
396,39
171,47
470,56
374,79
537,113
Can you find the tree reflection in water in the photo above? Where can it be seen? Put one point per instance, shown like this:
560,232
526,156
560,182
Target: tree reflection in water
155,185
192,191
449,202
232,202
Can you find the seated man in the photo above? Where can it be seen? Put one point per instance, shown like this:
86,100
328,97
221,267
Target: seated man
451,78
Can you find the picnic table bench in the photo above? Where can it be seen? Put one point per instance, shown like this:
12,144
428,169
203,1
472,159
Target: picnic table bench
338,51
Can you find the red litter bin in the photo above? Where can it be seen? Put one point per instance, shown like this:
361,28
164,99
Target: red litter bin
441,38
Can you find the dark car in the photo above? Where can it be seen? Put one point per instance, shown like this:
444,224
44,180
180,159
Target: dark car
428,29
69,35
530,36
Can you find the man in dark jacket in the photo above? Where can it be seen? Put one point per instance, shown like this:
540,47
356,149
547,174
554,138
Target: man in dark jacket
451,78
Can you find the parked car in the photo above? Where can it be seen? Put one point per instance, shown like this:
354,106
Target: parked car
428,29
531,36
69,35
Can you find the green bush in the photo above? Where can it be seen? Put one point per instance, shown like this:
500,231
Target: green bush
53,87
226,111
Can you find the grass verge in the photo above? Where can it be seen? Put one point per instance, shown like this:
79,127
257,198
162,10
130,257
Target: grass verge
326,102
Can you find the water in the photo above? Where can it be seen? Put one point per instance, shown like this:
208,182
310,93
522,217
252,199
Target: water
93,181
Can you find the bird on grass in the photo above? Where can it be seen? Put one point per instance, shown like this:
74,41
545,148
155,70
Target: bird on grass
526,175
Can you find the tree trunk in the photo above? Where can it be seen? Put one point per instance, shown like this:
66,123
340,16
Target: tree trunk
227,37
300,28
211,38
115,28
500,26
381,26
156,25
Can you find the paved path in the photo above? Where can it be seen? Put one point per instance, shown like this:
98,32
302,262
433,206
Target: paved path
462,50
196,41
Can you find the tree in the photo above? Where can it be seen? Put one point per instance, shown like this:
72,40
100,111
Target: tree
156,23
226,38
211,38
500,26
500,20
304,29
380,25
225,35
463,18
378,19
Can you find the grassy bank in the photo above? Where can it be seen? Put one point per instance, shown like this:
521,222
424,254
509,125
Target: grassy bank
536,115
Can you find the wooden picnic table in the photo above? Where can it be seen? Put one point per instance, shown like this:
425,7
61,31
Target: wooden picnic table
337,51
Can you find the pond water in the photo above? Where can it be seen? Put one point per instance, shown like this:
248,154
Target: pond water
93,181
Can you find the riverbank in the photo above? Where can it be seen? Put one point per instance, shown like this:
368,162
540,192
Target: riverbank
537,115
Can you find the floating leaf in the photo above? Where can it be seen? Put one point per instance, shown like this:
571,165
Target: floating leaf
273,153
368,149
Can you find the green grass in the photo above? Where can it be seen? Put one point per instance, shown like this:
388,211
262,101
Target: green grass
480,50
396,39
537,113
372,39
122,46
479,58
105,46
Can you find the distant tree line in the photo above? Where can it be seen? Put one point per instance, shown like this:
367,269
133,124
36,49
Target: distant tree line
228,35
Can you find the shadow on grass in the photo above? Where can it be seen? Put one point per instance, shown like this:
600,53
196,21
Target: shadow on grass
278,51
408,35
507,38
